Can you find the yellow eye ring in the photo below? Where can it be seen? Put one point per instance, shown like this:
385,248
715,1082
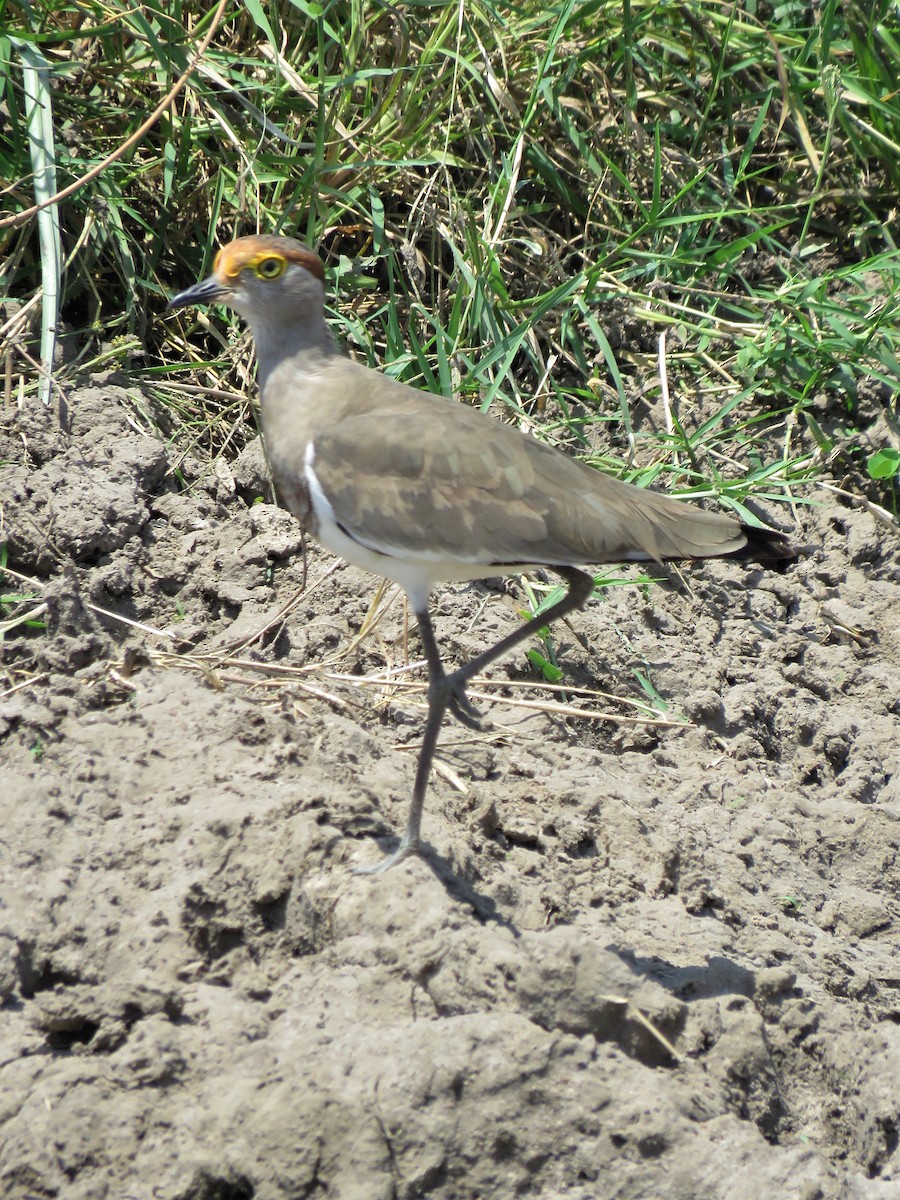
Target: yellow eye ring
270,267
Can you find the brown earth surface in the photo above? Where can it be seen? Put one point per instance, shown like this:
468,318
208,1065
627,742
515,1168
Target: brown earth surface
636,963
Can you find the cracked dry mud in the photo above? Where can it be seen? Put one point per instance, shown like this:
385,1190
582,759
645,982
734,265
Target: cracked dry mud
638,962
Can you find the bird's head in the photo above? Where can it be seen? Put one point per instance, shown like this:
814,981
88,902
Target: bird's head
268,280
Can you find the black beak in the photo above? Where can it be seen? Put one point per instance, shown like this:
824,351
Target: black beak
205,292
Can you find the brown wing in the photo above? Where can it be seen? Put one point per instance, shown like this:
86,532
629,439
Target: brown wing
427,477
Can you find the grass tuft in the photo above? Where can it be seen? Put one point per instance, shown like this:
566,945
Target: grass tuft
513,205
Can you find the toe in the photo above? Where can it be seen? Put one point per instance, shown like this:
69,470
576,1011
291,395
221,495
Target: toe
390,860
466,712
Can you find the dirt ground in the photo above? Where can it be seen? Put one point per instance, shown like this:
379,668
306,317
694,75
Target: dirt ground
642,963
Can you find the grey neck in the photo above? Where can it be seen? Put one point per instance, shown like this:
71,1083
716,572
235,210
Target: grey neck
306,341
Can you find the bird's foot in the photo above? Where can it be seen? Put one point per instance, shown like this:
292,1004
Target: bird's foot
406,849
459,703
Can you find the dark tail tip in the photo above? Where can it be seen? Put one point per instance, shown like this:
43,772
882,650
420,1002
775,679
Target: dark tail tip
765,546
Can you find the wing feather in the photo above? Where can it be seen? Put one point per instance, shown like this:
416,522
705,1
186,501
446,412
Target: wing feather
429,478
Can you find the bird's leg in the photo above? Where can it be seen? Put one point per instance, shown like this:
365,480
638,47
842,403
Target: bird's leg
449,691
440,698
581,585
409,843
442,684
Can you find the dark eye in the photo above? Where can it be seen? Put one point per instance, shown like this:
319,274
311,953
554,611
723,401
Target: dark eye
271,267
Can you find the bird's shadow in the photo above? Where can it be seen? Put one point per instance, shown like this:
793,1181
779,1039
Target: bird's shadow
717,977
458,885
